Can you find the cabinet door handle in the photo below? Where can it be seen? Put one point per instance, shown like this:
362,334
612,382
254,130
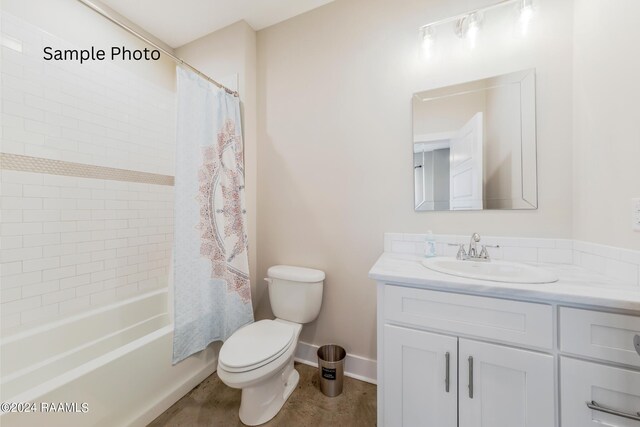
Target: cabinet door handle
470,377
596,407
446,372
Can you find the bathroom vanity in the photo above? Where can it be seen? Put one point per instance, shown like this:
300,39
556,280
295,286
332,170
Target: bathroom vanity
454,351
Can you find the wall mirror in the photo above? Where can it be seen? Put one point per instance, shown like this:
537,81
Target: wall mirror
474,145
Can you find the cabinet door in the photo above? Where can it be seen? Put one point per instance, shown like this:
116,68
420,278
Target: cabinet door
610,389
505,387
415,378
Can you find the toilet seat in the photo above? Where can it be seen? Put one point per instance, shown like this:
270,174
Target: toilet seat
256,345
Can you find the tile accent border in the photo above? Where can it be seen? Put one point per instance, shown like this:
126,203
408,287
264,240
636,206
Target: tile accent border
21,163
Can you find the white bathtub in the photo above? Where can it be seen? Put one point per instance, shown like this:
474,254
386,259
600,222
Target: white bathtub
116,359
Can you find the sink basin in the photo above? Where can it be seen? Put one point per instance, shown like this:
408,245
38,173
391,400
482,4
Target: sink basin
495,271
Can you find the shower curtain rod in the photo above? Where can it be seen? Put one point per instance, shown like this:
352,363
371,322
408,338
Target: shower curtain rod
160,48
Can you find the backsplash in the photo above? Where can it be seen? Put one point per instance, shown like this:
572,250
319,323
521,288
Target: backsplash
620,264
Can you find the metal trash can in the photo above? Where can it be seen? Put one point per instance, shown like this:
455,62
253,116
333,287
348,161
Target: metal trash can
331,369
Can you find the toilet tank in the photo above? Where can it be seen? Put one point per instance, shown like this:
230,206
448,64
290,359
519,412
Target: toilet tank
295,293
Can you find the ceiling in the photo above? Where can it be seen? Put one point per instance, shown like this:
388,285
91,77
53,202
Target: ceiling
177,22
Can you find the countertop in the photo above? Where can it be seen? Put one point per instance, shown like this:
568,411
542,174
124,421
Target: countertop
576,285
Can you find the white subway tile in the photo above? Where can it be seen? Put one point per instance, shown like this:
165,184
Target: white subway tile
9,321
75,237
10,294
520,254
22,110
75,305
59,273
20,305
83,233
39,314
57,250
103,297
11,216
10,268
40,264
556,256
75,215
90,267
61,204
74,259
40,191
21,203
592,262
41,239
22,136
58,227
10,242
102,255
624,272
58,296
75,281
40,288
10,255
89,289
20,229
91,246
41,215
75,193
42,104
8,189
90,204
125,291
42,127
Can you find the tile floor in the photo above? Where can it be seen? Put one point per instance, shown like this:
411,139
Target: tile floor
212,403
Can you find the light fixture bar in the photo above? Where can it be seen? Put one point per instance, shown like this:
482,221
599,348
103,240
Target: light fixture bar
465,14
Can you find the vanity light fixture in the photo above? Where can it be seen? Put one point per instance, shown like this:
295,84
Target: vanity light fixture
526,14
468,28
428,34
468,25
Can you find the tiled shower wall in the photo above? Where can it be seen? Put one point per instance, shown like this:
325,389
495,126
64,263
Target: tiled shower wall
71,243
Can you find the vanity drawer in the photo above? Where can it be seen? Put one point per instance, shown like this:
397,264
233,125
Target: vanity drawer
605,388
516,322
599,335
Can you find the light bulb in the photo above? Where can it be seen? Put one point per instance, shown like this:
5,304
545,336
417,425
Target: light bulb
428,39
473,28
526,14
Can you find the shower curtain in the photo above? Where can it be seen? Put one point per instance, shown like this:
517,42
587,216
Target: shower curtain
212,294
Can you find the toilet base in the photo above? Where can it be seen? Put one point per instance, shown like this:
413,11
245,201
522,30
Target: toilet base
263,401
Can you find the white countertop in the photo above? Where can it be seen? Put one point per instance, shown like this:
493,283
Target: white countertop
575,286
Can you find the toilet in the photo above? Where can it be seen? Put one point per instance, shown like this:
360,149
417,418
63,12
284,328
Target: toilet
258,358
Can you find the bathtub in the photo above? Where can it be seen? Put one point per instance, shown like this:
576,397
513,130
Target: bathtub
109,367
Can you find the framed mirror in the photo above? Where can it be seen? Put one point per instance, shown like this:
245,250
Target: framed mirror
474,145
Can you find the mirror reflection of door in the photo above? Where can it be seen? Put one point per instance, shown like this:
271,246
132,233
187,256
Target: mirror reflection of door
431,172
466,166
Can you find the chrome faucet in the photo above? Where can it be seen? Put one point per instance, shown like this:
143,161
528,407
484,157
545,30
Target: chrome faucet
473,250
472,253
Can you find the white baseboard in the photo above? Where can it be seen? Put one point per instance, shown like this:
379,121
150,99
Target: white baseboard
357,367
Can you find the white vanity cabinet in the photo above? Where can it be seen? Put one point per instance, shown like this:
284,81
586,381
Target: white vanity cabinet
613,392
420,378
450,359
444,379
504,387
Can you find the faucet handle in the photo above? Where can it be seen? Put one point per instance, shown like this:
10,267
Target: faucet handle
462,254
484,254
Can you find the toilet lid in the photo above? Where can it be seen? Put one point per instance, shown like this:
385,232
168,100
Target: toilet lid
256,344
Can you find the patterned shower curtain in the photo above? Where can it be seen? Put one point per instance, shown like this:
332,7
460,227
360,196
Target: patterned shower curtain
212,294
